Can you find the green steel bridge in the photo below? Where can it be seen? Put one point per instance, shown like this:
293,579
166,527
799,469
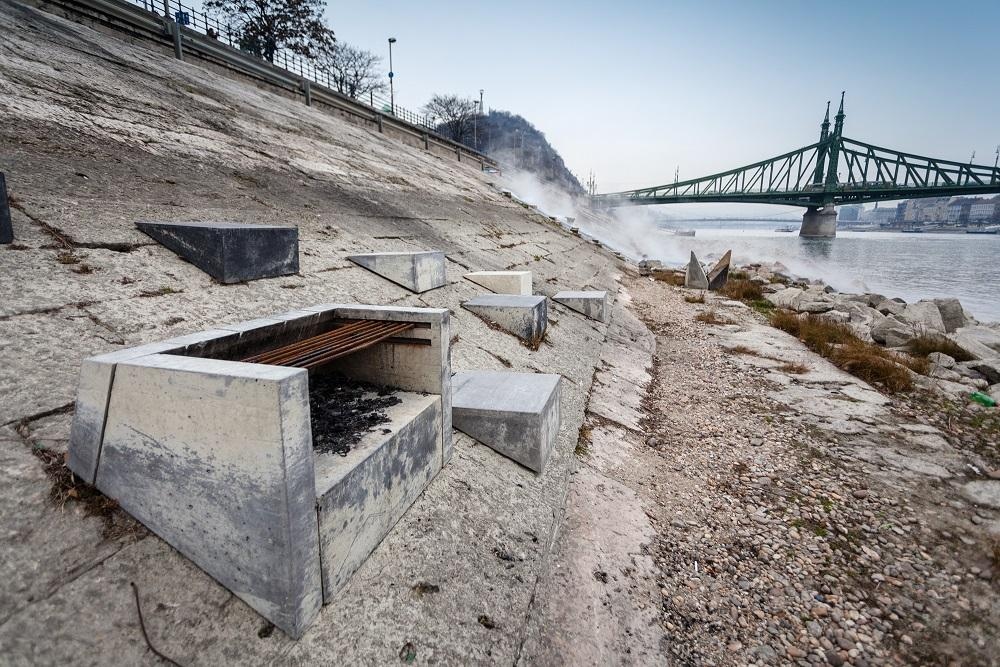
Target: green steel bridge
833,171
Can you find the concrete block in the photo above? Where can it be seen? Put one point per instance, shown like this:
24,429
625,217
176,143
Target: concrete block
524,316
503,282
718,276
363,495
216,458
593,304
416,271
231,252
517,414
6,226
695,276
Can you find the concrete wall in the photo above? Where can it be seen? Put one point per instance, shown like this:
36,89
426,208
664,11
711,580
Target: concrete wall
195,51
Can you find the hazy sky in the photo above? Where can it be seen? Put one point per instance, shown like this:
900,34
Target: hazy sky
634,89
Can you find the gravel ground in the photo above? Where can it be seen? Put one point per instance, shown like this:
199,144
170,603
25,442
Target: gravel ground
800,517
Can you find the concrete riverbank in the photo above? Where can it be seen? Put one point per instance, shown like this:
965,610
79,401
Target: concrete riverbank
717,493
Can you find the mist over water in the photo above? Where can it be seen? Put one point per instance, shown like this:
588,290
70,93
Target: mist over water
909,266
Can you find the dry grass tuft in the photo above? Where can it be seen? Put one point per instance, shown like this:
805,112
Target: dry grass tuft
926,344
838,343
675,278
742,290
695,298
741,349
793,368
67,488
711,317
583,441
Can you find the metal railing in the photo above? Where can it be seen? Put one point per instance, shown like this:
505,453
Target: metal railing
305,68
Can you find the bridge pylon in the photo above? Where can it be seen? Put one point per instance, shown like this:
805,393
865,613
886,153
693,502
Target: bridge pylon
819,223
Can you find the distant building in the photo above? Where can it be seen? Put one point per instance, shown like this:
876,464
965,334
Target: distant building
958,210
850,213
981,211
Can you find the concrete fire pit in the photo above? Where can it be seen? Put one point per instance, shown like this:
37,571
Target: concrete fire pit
216,454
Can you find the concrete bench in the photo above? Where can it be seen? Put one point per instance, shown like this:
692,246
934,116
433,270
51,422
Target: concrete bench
593,304
230,252
503,282
416,271
216,455
516,414
523,316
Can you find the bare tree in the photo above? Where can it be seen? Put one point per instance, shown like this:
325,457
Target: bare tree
353,71
262,27
453,115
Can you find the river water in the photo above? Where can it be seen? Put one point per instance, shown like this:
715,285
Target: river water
910,266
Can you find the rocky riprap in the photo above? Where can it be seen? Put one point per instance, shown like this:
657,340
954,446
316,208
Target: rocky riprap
801,516
893,323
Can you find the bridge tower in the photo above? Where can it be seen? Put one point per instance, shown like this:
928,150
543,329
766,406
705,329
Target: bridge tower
821,222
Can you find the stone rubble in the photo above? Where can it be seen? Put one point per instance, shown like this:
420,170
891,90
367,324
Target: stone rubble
801,517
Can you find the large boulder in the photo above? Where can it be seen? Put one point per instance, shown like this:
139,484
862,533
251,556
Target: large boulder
980,342
892,332
786,298
990,369
952,314
924,316
890,307
810,303
941,359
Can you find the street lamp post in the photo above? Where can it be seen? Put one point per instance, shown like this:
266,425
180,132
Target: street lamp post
392,92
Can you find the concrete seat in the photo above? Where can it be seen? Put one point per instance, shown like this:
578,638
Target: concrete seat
230,252
593,304
516,414
503,282
416,271
523,316
216,455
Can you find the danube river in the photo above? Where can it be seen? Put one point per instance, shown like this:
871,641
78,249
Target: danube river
911,266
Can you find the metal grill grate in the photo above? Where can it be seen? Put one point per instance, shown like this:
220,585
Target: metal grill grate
347,338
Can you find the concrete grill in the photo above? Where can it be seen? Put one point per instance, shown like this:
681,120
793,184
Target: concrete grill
207,440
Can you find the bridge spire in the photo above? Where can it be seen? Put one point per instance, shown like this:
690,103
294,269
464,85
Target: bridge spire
824,134
833,149
838,128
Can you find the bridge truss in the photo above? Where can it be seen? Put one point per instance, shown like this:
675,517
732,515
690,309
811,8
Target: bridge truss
835,170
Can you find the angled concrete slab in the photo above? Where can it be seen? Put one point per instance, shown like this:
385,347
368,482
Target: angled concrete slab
516,414
216,458
230,252
503,282
523,316
6,226
416,271
695,276
719,274
593,304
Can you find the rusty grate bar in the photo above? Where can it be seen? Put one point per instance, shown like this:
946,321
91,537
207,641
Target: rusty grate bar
339,342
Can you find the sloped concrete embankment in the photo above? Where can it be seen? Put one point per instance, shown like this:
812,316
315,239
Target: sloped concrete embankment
600,587
95,135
